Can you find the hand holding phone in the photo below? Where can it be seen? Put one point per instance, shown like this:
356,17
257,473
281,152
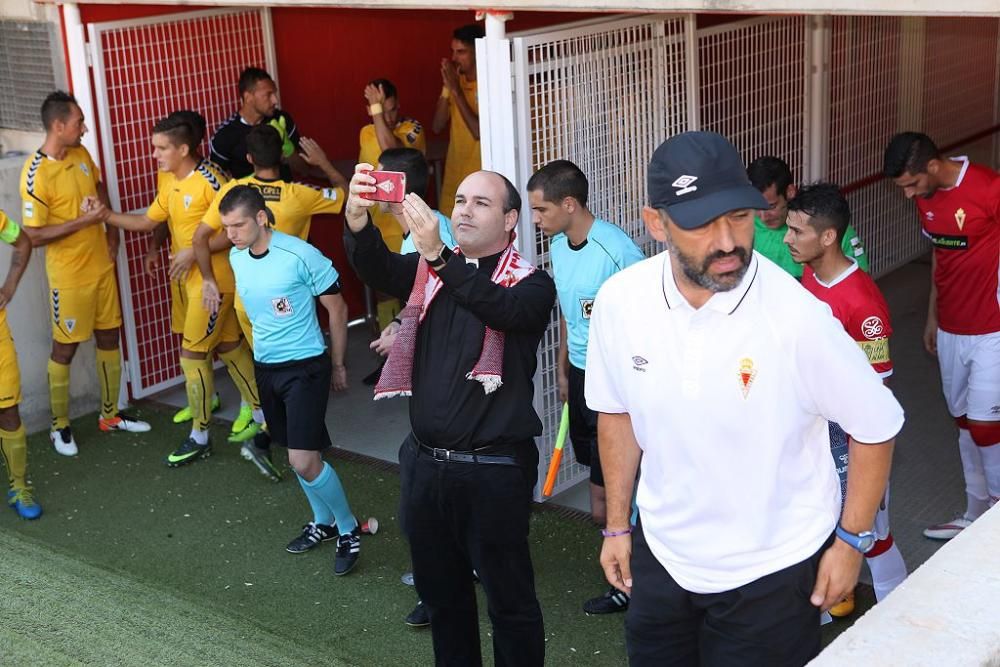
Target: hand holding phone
390,186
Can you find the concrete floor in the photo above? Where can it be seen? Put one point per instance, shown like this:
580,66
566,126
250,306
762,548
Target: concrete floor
927,482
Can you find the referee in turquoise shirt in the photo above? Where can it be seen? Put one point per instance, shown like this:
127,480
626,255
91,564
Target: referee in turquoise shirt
585,251
279,278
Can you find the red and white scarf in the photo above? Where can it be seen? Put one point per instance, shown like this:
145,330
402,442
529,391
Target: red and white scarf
396,378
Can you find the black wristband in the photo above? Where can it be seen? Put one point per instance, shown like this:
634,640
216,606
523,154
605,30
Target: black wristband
442,258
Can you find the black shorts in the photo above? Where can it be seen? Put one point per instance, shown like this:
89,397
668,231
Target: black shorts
583,426
293,395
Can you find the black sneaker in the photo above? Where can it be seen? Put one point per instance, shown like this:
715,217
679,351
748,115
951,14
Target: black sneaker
312,535
348,550
188,451
418,618
612,601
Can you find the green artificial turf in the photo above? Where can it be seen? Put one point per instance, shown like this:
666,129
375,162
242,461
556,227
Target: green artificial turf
135,563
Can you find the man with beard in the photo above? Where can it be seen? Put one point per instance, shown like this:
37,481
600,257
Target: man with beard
716,369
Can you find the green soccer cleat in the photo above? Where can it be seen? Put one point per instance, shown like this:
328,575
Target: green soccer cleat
184,414
246,434
188,451
244,419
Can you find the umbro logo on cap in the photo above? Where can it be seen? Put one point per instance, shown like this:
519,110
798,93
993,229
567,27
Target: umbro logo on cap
685,185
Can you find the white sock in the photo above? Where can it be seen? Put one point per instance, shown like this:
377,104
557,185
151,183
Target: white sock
991,468
976,494
258,416
888,571
201,437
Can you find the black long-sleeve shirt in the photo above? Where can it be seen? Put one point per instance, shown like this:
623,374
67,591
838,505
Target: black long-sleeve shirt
446,409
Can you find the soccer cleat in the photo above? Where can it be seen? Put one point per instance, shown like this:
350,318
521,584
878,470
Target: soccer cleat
312,535
23,502
184,414
948,530
418,618
258,452
243,419
188,451
612,601
843,608
246,433
348,550
63,442
123,422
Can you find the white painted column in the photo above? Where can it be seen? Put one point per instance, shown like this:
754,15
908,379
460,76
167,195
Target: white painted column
496,100
79,75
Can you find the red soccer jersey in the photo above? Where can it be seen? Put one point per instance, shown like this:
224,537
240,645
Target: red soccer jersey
963,223
858,303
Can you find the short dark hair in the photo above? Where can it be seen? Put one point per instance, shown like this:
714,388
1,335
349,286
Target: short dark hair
388,87
244,197
250,77
469,34
264,145
512,202
184,128
411,162
826,207
560,179
909,152
58,105
770,170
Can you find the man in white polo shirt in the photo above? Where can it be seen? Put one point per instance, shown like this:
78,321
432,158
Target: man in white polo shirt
720,372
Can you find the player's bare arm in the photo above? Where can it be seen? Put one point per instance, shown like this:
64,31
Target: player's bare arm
375,95
336,309
42,236
151,262
112,234
867,474
211,298
442,111
18,263
314,155
620,454
930,329
469,117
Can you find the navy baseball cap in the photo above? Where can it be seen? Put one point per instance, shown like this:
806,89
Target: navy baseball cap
698,176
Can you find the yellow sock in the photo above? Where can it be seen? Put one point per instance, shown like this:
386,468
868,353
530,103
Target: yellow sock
240,365
14,446
109,372
200,385
59,394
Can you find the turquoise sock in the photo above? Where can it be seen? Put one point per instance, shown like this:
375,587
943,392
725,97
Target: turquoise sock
321,513
327,489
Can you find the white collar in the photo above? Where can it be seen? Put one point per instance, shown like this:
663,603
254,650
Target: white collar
841,278
722,302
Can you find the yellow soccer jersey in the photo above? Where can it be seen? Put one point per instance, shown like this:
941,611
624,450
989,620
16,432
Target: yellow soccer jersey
463,150
293,204
51,194
182,204
408,131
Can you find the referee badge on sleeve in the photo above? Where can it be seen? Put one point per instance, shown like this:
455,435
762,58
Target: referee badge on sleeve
281,306
586,307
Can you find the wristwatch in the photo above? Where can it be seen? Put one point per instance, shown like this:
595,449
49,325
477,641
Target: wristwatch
863,542
442,258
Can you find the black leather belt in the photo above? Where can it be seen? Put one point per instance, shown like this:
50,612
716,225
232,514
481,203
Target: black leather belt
454,456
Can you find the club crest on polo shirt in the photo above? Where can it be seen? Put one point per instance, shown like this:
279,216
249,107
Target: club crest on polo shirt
747,374
84,168
281,306
187,201
685,185
586,308
960,218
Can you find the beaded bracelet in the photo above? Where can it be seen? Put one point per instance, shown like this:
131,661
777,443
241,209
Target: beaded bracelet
616,533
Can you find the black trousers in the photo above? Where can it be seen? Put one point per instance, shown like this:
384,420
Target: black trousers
768,622
464,516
